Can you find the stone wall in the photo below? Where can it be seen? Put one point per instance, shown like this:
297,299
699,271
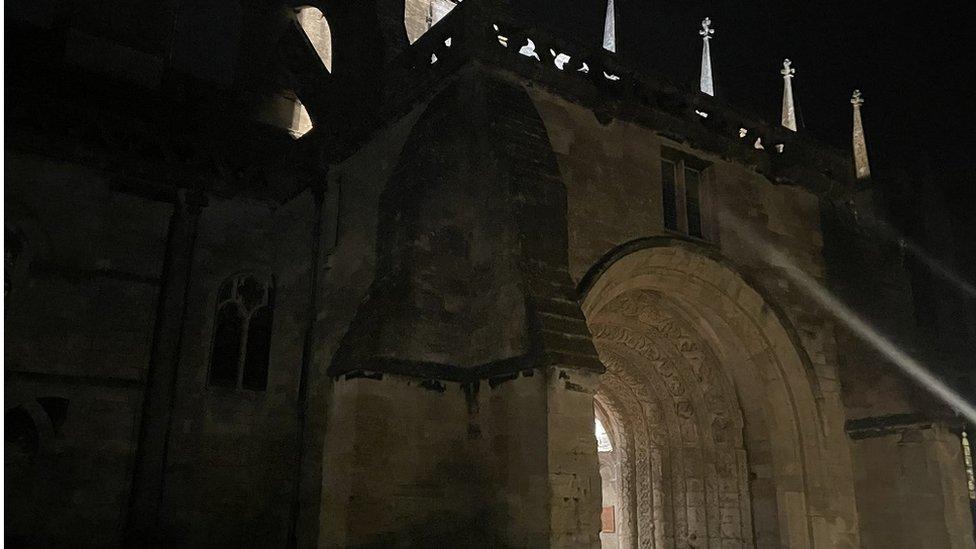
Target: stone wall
613,178
905,444
232,452
470,286
80,316
911,487
79,319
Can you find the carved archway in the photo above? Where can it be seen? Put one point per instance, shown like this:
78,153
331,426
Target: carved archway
716,406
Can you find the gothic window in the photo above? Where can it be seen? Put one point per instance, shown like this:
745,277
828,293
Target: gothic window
420,15
682,177
242,333
316,28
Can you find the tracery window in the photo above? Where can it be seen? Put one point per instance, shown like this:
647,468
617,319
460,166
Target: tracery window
682,177
420,15
242,333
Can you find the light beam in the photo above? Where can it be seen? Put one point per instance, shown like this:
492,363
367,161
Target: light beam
845,314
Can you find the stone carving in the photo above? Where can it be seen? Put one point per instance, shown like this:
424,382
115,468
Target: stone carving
528,49
698,437
720,428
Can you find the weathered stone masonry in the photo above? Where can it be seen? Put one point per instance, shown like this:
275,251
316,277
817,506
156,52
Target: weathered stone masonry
467,256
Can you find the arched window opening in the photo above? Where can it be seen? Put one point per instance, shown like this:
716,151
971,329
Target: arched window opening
242,334
316,28
420,15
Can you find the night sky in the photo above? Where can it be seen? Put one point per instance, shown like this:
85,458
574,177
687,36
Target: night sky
912,62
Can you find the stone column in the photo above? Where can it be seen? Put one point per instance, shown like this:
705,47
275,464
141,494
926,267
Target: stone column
150,464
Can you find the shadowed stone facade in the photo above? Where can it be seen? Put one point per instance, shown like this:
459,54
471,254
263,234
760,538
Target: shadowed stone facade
467,258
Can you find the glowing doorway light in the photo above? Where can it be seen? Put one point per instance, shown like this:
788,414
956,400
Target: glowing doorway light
603,443
855,323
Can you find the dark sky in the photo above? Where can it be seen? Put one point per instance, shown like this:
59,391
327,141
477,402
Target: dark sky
911,60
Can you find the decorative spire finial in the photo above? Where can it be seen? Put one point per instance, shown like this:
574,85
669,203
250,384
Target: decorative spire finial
610,29
706,32
789,110
787,71
861,166
707,85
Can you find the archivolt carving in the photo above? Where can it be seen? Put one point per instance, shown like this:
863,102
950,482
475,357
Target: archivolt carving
633,339
698,436
619,385
651,309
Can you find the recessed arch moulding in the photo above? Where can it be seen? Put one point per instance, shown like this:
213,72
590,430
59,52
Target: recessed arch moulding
715,408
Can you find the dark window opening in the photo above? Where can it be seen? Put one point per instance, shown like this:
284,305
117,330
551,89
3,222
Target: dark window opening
242,334
258,351
682,179
227,347
693,201
669,195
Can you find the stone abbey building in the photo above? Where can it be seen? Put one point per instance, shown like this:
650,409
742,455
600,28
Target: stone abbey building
398,277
